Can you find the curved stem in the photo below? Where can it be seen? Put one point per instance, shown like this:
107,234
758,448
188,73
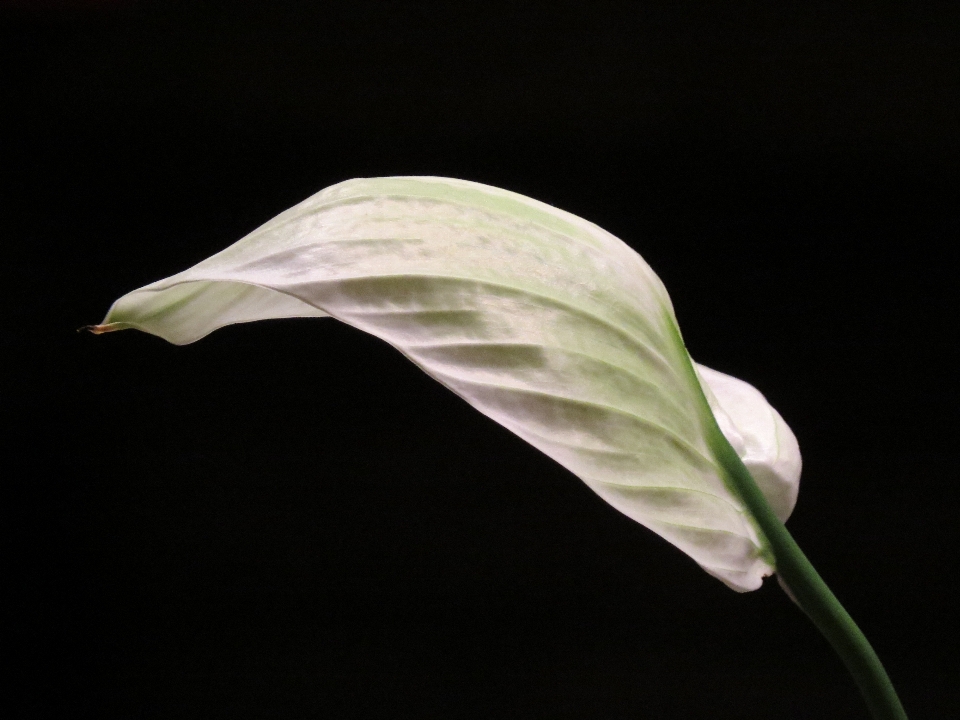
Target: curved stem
811,593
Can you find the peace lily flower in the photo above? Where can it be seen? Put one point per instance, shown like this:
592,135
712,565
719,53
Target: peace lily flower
539,319
555,329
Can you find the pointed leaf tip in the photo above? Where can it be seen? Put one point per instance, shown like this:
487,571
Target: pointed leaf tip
98,329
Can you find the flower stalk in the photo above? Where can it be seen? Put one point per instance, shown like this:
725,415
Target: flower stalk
803,584
811,594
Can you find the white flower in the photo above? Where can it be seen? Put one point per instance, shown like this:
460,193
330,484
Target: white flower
537,318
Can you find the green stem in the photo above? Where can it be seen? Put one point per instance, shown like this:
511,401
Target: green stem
811,593
798,576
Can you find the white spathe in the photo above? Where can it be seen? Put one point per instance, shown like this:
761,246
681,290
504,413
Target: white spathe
539,319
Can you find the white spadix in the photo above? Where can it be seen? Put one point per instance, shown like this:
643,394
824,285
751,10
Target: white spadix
539,319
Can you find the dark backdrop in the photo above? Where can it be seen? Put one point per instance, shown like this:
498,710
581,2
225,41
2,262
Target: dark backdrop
289,520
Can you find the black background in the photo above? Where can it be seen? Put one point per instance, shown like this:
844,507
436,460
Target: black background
289,520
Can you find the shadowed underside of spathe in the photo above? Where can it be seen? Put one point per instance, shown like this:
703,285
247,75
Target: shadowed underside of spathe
537,318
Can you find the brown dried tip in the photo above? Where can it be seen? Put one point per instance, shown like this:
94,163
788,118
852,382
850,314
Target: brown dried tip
96,329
